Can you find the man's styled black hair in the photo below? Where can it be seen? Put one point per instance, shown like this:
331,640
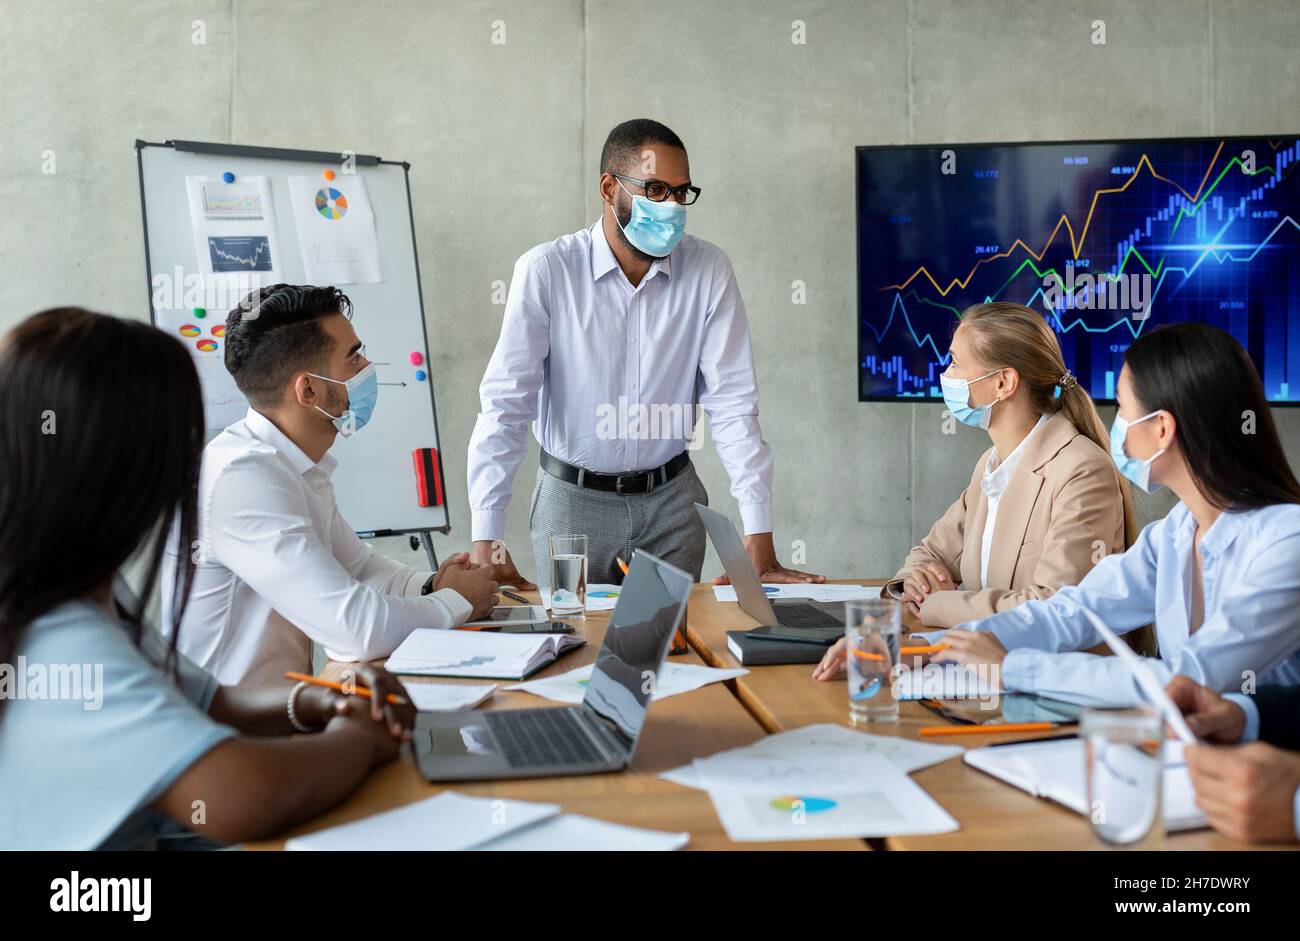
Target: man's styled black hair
274,332
624,144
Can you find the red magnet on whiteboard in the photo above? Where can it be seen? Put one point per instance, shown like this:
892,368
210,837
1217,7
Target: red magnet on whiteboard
416,358
328,174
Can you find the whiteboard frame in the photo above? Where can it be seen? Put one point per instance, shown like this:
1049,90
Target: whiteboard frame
319,157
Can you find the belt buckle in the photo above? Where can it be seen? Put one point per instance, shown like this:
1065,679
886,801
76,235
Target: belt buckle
648,477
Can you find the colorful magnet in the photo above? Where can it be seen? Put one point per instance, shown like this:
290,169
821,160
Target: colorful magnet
420,376
328,174
200,312
416,358
228,177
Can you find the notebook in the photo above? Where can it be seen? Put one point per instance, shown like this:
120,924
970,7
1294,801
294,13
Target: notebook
1054,769
430,652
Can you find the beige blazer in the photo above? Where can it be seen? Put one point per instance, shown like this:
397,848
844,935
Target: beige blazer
1061,513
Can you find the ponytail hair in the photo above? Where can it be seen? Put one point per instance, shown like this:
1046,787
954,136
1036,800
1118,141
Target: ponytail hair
1016,337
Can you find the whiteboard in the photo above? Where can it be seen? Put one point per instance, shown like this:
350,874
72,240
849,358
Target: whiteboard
375,481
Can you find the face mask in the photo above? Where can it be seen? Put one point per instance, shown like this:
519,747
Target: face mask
363,392
1135,469
654,228
956,395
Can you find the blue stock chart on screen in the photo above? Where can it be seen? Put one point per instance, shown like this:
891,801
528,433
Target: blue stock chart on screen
1108,240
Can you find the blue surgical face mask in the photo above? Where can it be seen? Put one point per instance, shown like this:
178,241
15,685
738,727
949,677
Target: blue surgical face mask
654,228
1136,469
363,392
956,395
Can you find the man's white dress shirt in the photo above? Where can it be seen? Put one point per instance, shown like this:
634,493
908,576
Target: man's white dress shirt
279,567
579,343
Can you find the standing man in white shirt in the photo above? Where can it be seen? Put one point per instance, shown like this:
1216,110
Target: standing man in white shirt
277,566
613,336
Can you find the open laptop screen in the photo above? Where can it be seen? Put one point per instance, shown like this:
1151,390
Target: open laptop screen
649,607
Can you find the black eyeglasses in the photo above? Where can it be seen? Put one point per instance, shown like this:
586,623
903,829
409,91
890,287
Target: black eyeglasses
657,190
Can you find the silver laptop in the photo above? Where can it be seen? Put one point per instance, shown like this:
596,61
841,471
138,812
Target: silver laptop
598,735
809,622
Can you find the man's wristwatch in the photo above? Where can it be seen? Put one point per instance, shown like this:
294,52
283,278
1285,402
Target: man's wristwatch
427,589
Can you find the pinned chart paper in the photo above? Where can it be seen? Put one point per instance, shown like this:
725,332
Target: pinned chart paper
444,697
336,229
235,236
205,338
672,679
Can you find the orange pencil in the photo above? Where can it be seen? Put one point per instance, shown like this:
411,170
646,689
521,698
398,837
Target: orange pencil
621,563
986,729
393,698
903,651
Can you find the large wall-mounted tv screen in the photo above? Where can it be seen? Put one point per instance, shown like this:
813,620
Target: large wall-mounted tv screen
1108,239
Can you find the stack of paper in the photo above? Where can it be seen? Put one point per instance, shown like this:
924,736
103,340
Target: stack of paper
826,593
821,782
672,679
453,821
600,597
948,681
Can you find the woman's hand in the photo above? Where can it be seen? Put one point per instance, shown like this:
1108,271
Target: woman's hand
398,719
970,648
924,579
832,663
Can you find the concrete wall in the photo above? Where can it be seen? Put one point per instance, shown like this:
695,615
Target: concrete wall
504,141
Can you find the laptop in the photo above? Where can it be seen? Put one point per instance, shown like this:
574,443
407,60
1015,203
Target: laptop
809,622
601,733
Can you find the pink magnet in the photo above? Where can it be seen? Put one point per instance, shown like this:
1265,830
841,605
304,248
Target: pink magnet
416,358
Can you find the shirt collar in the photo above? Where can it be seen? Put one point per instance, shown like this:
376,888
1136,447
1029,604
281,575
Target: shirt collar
997,474
264,430
1221,533
603,260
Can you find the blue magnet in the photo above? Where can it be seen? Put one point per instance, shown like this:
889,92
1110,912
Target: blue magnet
228,177
419,375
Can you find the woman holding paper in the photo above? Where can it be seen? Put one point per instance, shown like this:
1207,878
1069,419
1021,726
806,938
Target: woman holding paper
1044,503
1219,575
109,738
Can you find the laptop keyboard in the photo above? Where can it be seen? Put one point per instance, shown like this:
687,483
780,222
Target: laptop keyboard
536,737
805,615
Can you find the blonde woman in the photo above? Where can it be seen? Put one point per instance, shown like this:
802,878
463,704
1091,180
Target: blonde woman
1045,502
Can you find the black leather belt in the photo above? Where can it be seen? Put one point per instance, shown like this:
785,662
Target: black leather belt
622,484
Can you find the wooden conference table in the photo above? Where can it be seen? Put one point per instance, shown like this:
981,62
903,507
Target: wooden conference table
993,815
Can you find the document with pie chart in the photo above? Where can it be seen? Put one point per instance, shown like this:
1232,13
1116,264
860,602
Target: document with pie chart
336,229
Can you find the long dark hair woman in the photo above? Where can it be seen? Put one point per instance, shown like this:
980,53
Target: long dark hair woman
1219,576
108,737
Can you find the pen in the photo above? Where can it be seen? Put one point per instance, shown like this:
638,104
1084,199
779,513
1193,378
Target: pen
393,698
929,730
513,597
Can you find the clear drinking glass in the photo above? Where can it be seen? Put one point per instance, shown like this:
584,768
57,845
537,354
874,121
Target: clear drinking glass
871,637
569,578
1124,771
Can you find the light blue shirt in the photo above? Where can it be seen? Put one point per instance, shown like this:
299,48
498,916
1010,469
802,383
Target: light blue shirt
86,751
1250,626
1250,733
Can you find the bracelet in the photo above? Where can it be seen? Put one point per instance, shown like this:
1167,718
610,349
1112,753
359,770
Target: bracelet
293,714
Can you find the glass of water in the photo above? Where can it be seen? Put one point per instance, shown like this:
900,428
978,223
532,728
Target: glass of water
569,577
1124,771
871,633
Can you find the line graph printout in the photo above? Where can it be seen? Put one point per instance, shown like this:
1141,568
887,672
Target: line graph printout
1108,240
234,234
